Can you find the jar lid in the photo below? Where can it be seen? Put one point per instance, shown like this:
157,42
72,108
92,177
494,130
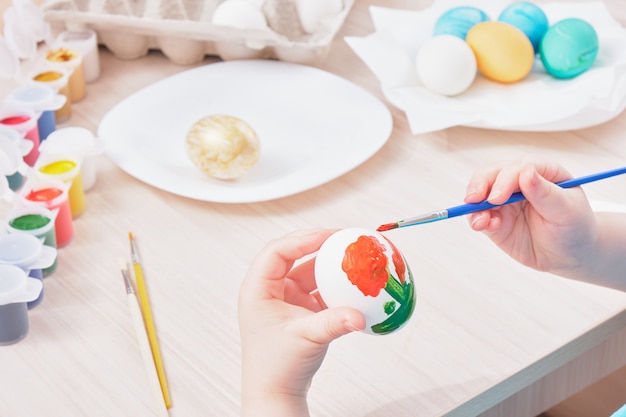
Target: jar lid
72,140
20,250
16,287
10,156
24,27
6,192
12,283
37,97
24,145
9,62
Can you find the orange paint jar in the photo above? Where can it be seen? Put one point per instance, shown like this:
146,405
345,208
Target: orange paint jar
65,59
58,80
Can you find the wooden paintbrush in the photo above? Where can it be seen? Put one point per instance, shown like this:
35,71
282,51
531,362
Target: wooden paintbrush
144,303
143,342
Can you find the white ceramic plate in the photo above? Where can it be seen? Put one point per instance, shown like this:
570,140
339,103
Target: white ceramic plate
313,126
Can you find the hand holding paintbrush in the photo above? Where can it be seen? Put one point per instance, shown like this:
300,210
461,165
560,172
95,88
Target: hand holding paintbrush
557,231
485,205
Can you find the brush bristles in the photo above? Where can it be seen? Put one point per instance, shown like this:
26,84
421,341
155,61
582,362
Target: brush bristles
386,227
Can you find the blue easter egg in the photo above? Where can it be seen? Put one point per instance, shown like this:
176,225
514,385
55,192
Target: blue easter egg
459,20
529,18
569,48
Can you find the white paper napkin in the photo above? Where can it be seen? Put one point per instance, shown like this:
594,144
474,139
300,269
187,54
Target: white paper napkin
539,102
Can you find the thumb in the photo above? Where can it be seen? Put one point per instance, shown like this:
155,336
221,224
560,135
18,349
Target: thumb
332,323
547,198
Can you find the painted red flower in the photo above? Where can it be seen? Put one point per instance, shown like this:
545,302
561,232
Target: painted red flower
398,262
365,264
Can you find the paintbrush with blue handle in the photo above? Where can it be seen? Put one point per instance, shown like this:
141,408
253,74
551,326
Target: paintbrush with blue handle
463,209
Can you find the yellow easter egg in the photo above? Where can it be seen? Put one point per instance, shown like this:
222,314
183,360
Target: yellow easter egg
503,52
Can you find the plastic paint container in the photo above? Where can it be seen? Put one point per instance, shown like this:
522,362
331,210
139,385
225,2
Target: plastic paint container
29,254
10,159
36,221
51,194
16,289
43,100
5,190
12,150
58,80
24,121
72,61
84,42
68,171
79,143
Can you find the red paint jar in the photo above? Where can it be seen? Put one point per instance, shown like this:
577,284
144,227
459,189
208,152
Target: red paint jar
25,123
52,195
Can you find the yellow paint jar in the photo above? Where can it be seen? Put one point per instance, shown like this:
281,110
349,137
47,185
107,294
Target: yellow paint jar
58,80
72,61
68,171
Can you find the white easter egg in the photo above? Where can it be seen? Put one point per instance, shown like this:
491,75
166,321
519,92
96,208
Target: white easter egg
240,14
362,269
311,12
446,65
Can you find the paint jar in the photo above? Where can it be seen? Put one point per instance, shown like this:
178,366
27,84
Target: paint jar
29,254
12,150
36,221
10,159
66,169
58,79
51,194
16,290
43,100
23,121
72,61
5,190
79,143
85,42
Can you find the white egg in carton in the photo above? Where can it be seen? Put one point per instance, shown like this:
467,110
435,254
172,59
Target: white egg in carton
187,30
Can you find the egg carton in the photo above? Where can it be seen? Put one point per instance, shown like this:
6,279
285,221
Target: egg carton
183,31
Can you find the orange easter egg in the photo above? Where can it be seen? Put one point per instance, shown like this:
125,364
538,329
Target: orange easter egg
503,52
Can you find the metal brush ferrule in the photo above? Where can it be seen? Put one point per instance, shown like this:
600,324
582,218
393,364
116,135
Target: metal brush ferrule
432,216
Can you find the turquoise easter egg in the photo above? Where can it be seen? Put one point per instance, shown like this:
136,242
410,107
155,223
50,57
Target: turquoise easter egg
529,18
569,48
459,20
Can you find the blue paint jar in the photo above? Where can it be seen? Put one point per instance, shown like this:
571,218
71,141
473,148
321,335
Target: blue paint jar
41,99
29,254
16,290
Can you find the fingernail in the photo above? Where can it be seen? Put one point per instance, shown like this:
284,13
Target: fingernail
476,219
349,326
470,192
494,194
534,178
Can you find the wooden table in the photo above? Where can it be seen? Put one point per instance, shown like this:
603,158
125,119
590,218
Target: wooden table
489,336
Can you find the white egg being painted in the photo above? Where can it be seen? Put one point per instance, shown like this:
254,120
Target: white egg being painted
362,269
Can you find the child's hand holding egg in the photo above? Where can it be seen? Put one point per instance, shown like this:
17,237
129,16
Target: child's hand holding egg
362,269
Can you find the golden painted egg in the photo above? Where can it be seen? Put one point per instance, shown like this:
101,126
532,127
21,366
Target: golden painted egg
224,147
503,52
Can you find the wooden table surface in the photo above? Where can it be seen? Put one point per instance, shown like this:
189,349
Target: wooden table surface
489,336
